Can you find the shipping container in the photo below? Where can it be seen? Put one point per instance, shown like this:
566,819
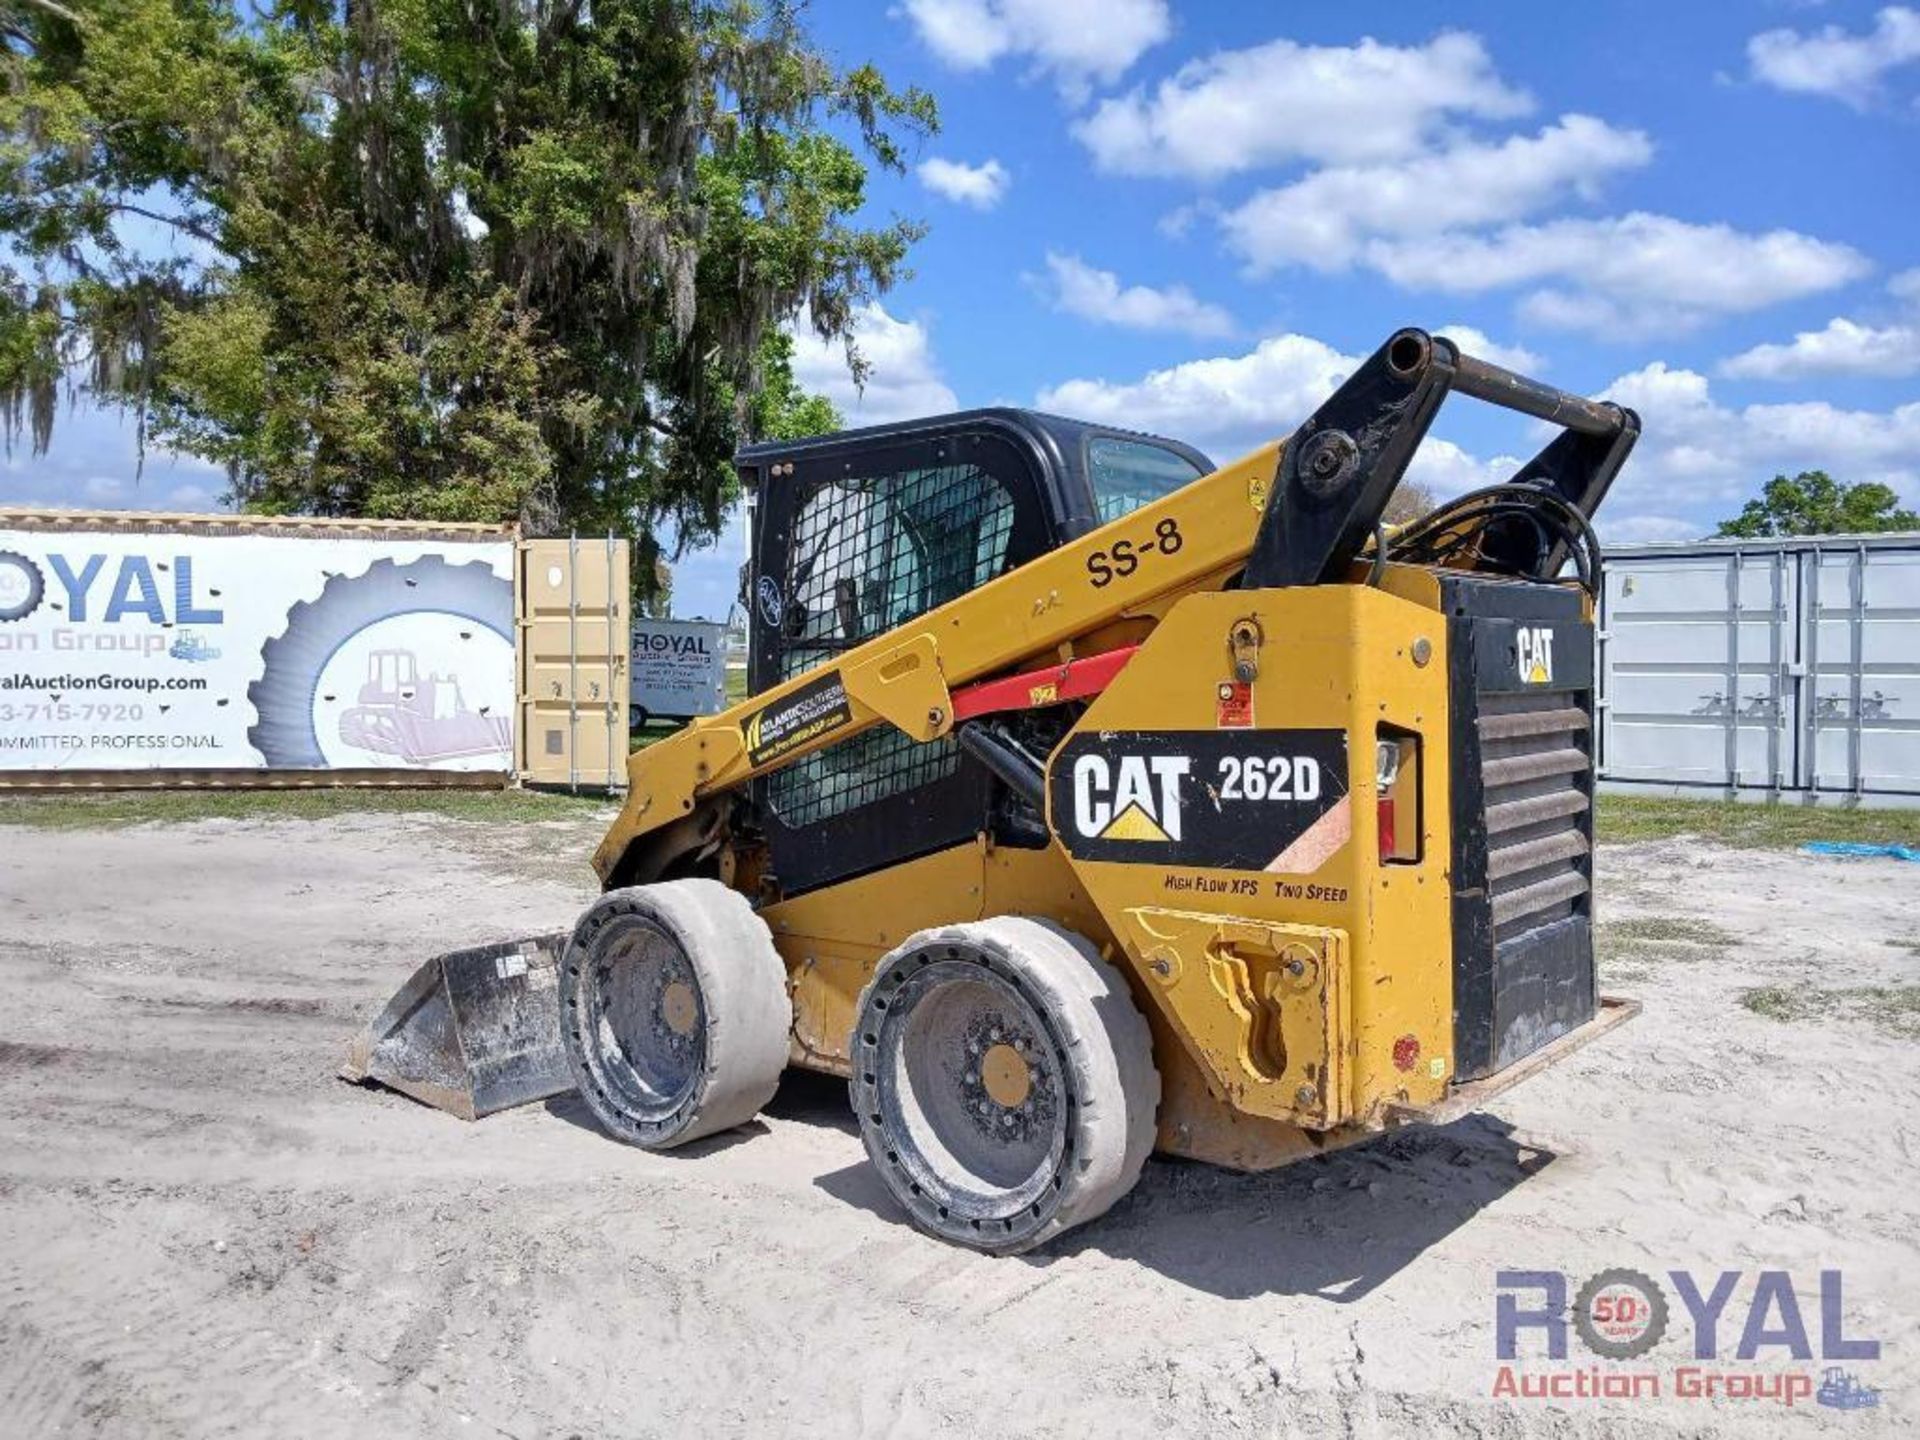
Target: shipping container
147,649
1763,669
576,604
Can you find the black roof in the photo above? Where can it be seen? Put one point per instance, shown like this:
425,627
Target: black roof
1059,436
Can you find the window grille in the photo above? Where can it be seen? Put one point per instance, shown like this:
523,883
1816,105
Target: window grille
868,554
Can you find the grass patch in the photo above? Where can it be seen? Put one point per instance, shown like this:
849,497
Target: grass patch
1670,930
1783,827
108,810
1776,1002
1668,938
1892,1008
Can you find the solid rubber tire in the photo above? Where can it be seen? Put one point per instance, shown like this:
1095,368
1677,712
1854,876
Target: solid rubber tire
1113,1084
747,1016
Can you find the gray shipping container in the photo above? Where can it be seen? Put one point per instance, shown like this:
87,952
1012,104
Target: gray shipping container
1763,668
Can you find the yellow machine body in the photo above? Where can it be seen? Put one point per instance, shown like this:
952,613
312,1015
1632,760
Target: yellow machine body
1321,795
1304,1005
1277,1000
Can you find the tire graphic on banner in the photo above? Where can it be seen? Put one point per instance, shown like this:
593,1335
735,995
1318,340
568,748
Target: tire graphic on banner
22,586
415,719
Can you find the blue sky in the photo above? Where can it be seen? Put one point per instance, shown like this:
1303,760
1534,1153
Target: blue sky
1195,217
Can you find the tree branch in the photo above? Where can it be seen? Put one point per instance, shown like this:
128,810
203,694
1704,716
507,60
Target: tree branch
178,222
189,227
59,12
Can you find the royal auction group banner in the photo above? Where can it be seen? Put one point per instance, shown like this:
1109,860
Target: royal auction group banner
186,651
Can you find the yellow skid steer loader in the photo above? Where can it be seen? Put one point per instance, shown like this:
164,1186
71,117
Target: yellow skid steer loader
1091,800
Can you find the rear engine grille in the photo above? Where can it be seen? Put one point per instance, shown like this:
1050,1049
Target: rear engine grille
1536,772
1522,773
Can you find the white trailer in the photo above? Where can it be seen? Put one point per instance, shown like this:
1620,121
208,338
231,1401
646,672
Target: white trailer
679,670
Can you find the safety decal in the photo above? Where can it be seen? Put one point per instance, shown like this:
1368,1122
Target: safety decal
1235,705
1271,800
815,709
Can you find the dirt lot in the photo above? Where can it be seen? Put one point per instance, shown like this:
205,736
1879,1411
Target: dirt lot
202,1233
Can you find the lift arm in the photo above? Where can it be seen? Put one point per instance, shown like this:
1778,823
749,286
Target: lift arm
1195,538
1340,468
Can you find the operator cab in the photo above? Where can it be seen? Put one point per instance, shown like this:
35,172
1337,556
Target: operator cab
856,532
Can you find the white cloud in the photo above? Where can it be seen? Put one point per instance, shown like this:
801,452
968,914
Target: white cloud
1834,62
1177,223
1645,529
904,380
1076,41
1697,453
1324,220
1231,404
1479,343
981,186
1079,289
103,487
192,497
1446,470
1634,274
179,462
1696,463
1282,101
1842,348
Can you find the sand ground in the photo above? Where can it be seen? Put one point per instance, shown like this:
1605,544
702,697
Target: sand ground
202,1233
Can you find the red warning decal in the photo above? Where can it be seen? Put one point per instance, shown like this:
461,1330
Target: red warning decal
1235,708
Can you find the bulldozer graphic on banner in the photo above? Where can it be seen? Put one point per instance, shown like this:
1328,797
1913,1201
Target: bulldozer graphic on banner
420,719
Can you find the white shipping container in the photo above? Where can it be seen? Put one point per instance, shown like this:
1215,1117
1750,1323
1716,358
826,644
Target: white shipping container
1763,668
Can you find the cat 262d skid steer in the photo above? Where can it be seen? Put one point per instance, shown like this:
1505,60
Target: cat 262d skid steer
1092,799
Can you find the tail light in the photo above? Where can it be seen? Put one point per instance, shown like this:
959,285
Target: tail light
1396,778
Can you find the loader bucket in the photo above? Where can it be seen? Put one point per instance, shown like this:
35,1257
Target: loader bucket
474,1031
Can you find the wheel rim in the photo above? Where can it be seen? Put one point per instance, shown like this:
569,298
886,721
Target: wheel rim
971,1095
644,1022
